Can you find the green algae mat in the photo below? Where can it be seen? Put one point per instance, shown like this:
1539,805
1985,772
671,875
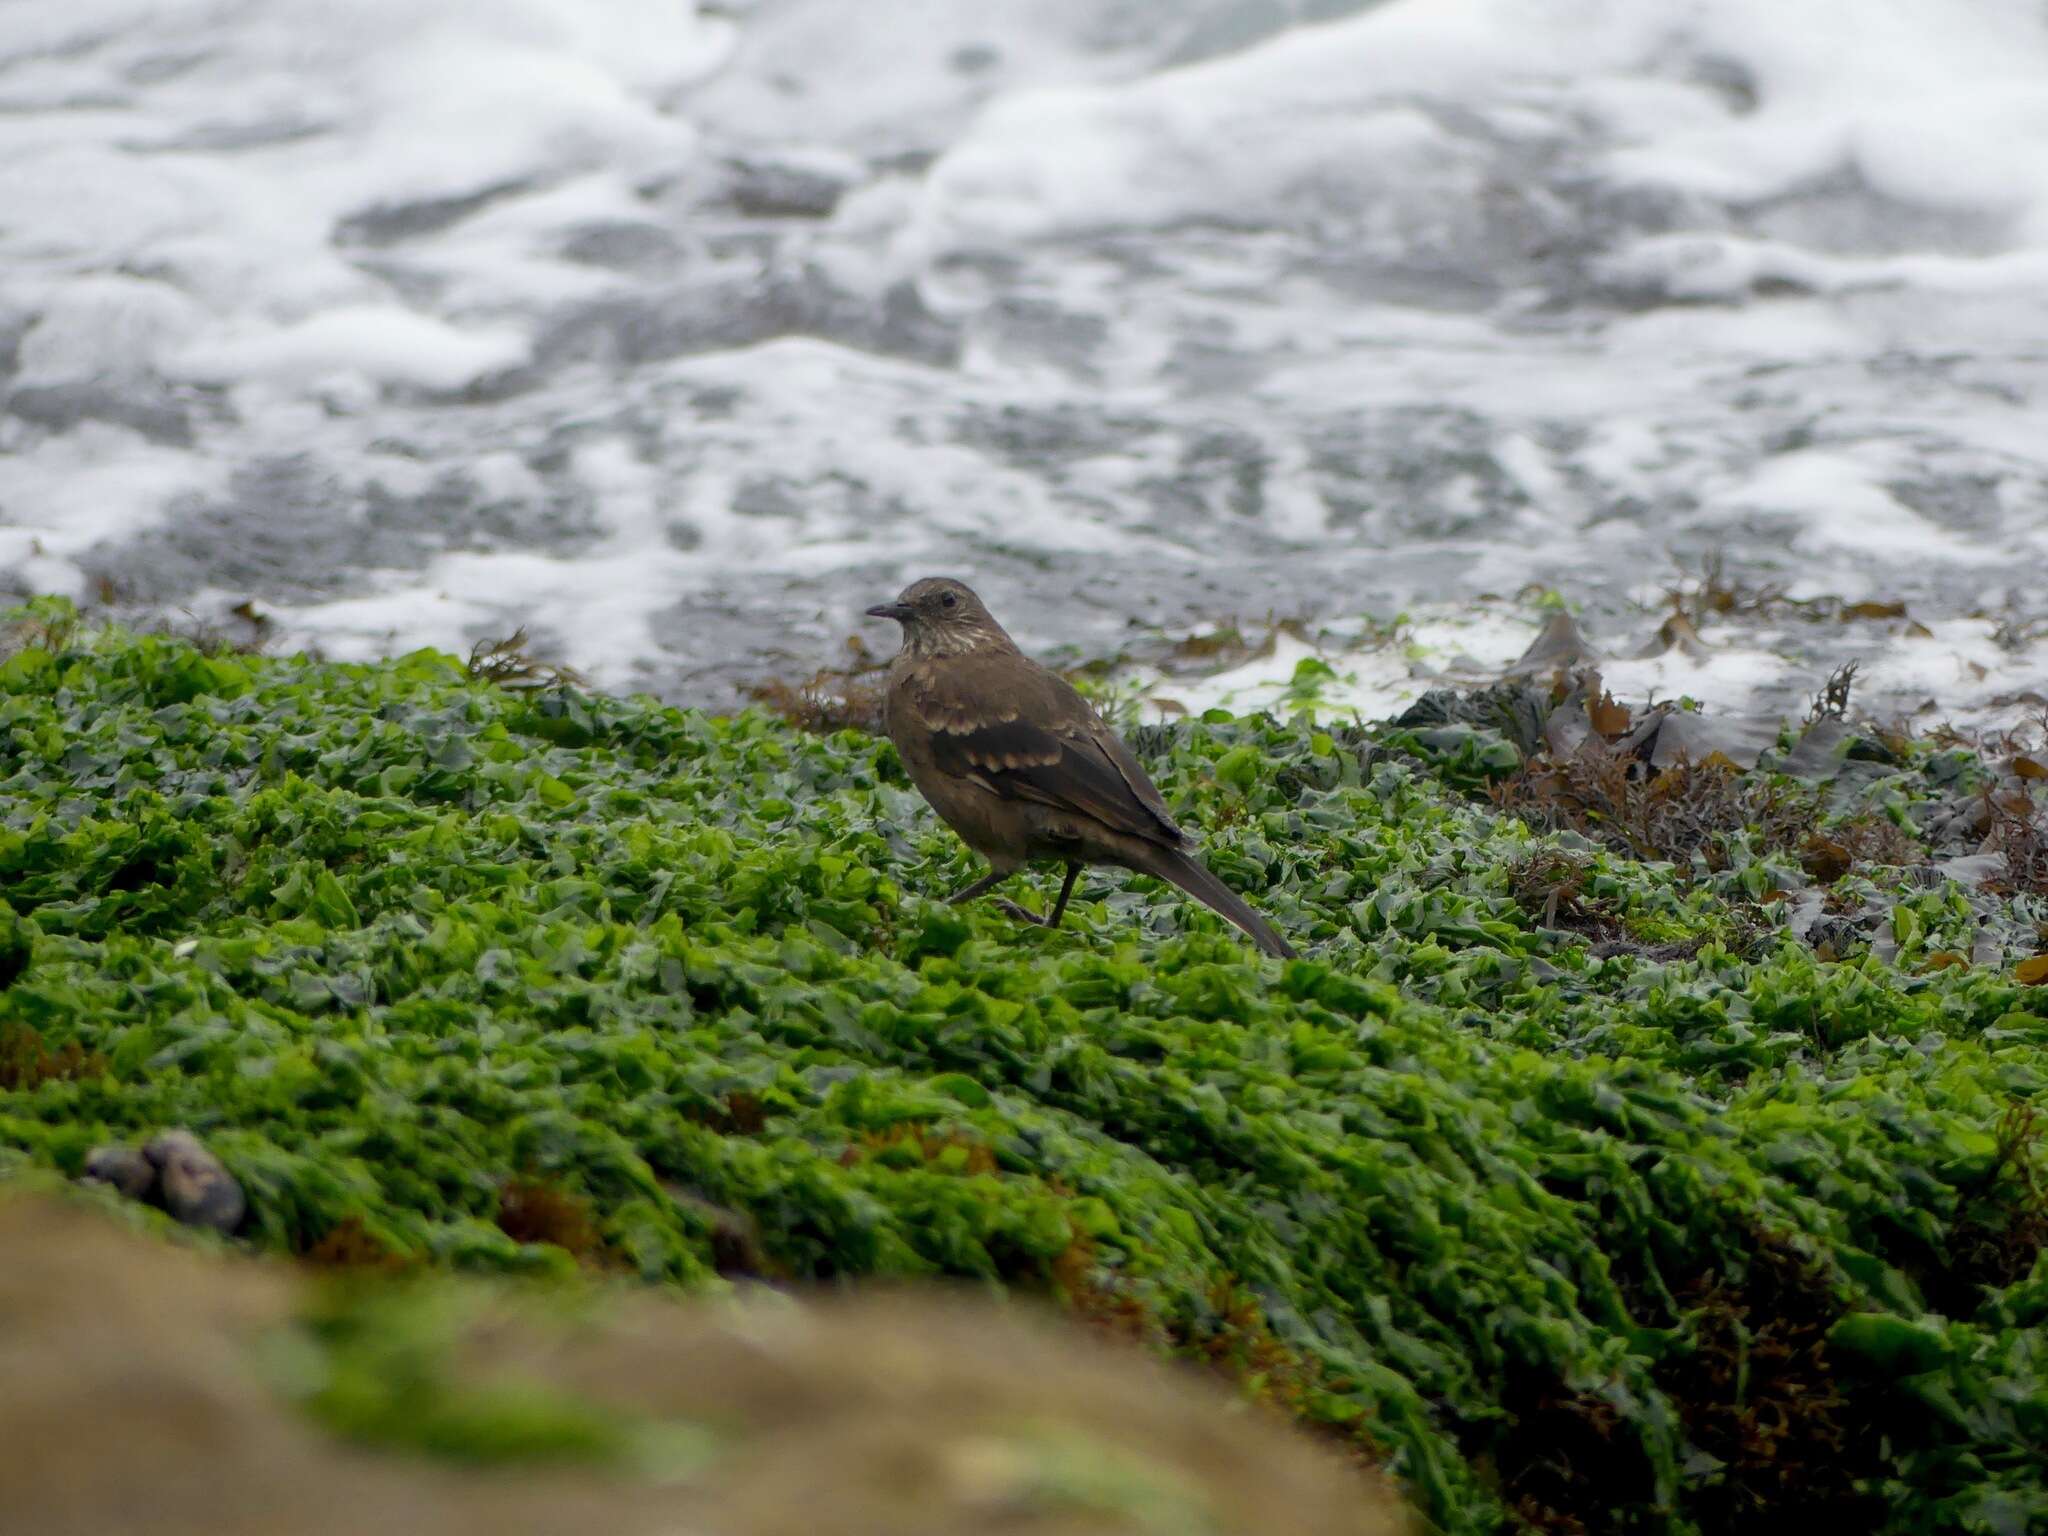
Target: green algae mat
1701,1227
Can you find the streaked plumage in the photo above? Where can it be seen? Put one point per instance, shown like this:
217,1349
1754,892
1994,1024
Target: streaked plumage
1021,766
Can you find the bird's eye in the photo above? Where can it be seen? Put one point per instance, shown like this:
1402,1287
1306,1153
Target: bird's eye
948,600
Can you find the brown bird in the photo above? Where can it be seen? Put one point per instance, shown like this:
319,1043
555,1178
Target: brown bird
1017,763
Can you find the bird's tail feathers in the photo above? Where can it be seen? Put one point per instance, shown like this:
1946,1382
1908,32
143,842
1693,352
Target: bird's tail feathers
1190,875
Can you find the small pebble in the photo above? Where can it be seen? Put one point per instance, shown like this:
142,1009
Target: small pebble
123,1167
194,1186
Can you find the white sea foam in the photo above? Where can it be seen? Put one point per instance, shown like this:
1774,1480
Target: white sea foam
677,337
379,342
1740,100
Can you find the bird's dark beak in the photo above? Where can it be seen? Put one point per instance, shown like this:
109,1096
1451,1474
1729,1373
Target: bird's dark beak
897,611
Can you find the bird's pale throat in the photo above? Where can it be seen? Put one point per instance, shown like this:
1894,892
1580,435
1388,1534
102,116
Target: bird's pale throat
958,639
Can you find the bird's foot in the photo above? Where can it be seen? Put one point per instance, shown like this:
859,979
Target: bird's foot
1021,914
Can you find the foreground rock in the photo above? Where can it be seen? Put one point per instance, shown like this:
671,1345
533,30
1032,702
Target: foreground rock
123,1169
193,1185
176,1172
141,1394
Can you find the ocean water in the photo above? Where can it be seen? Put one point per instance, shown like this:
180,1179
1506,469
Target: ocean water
1309,329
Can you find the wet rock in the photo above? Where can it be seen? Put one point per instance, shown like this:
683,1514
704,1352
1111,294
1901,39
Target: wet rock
1927,877
193,1185
1954,826
1742,740
1567,728
1561,646
1857,775
125,1168
1804,911
1587,713
1820,751
1973,870
1676,633
1517,711
1641,738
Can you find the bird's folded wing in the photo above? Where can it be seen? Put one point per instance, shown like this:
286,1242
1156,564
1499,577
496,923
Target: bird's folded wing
1070,762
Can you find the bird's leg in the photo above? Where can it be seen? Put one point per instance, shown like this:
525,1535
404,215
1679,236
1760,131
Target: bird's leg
1010,908
1021,914
981,886
969,892
1059,907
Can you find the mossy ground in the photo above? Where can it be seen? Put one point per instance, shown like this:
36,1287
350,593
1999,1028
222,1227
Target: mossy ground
1685,1228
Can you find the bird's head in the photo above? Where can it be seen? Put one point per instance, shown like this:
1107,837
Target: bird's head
942,617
